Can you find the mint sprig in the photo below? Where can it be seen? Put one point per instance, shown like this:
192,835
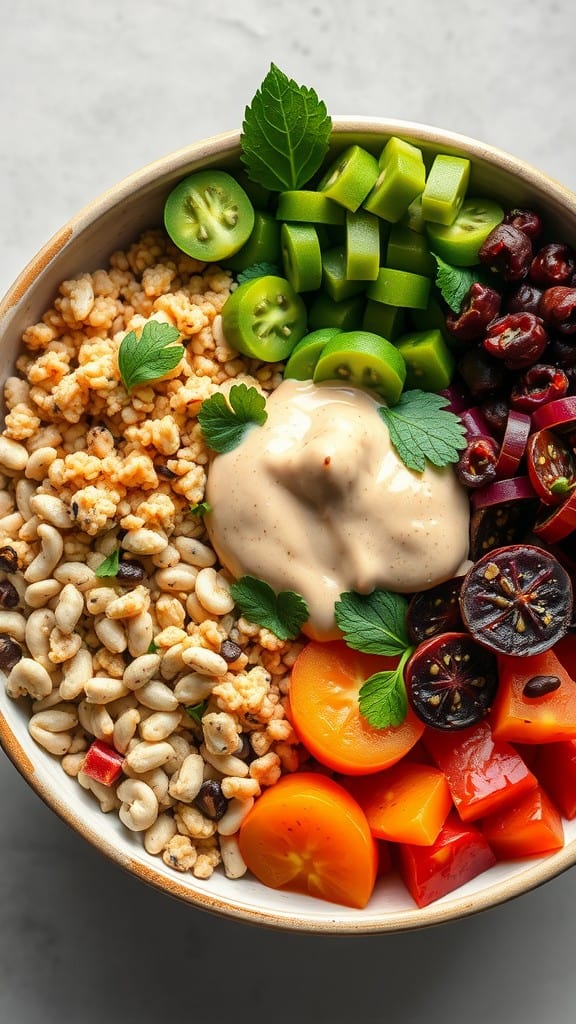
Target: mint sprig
382,699
421,429
151,357
283,614
373,623
110,565
454,283
224,423
285,133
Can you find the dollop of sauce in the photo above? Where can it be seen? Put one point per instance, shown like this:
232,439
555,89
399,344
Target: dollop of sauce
316,500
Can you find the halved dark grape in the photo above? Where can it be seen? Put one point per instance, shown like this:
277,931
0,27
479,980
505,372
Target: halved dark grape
435,611
517,600
451,681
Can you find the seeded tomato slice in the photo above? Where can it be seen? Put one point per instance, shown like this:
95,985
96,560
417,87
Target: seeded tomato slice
517,600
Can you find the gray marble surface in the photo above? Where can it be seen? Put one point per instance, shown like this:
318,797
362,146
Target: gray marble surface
88,93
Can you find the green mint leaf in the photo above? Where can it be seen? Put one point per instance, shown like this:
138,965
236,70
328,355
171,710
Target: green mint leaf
373,623
110,565
150,358
202,508
196,711
454,283
285,133
259,270
422,429
382,699
152,648
224,423
283,614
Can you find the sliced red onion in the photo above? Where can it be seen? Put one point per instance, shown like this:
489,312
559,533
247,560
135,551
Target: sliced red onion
516,435
457,398
501,492
474,423
559,413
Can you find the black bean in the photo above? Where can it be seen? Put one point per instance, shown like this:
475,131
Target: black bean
10,652
539,686
9,596
230,650
130,572
211,800
8,559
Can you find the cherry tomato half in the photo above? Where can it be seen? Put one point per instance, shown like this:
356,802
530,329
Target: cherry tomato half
551,466
324,688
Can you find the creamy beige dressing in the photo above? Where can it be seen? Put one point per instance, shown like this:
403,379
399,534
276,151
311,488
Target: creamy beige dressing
317,501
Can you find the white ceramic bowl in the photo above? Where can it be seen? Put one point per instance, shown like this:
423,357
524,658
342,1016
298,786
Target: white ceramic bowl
85,243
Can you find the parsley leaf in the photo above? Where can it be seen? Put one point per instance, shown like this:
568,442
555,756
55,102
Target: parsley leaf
285,133
202,508
110,565
283,614
196,711
382,698
150,358
373,623
454,283
224,423
258,270
422,429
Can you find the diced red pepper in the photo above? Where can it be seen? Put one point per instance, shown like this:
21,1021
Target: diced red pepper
103,763
555,767
519,717
528,827
483,773
459,854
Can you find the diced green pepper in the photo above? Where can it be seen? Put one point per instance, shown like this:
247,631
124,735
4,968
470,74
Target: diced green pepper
429,362
349,179
445,188
402,177
400,288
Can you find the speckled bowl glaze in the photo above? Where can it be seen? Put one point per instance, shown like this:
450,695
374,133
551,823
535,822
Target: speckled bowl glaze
85,243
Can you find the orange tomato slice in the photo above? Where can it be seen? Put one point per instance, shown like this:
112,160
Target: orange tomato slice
307,834
324,687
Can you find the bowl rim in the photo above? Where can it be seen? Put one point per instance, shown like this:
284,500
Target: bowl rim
226,145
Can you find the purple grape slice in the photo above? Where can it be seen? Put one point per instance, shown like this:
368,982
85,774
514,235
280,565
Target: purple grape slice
451,681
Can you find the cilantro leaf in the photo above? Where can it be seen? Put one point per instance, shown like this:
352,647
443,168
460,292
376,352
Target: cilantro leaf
285,133
150,358
224,423
373,623
196,711
382,698
110,565
202,508
283,614
454,283
258,270
422,429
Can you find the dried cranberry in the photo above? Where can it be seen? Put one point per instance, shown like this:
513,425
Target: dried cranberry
435,611
562,351
539,384
558,308
518,339
527,221
552,264
507,250
476,466
9,596
495,412
451,681
523,299
482,375
517,600
480,306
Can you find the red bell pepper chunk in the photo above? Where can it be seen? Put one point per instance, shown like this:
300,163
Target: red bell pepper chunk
459,854
103,763
555,766
483,773
528,827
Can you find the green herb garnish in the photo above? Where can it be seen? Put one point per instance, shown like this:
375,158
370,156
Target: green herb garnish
148,359
110,565
196,711
422,429
382,698
373,623
285,133
202,508
152,648
259,270
283,614
224,423
454,283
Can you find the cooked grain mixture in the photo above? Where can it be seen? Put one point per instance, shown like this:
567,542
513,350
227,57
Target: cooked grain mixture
151,662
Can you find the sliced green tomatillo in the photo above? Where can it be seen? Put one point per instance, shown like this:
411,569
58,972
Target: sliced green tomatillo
409,250
335,280
401,178
264,318
209,216
445,188
458,243
363,360
263,246
349,179
308,207
327,312
301,256
388,321
302,361
400,288
362,246
429,362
